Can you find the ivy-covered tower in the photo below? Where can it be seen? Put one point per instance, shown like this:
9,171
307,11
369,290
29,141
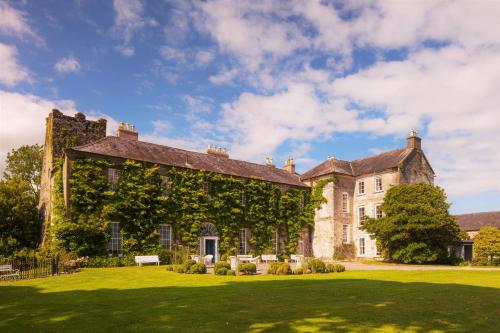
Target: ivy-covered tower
62,132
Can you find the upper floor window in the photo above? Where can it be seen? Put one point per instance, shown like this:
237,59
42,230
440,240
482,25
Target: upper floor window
113,175
361,187
301,203
115,242
166,236
243,199
165,185
378,184
345,202
378,211
361,215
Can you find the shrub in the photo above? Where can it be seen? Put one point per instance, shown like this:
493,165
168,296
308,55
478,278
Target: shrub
171,268
316,266
272,268
231,272
283,269
221,264
166,257
221,271
330,268
197,268
180,269
247,268
487,247
224,257
339,268
298,271
187,265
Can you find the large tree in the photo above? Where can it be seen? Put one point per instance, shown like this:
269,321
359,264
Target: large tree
487,246
25,163
416,226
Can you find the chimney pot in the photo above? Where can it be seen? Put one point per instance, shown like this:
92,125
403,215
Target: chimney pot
414,141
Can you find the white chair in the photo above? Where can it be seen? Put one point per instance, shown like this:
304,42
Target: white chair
207,260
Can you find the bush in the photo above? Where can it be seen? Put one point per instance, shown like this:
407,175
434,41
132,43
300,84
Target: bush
98,262
247,268
231,272
272,268
339,268
224,257
487,247
316,266
197,268
166,257
171,268
180,269
298,271
221,271
279,268
330,268
221,264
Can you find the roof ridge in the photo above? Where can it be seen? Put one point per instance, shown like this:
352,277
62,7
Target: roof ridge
91,142
382,153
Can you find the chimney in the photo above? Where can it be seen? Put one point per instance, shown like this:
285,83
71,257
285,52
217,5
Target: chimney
269,162
289,165
217,151
127,131
414,141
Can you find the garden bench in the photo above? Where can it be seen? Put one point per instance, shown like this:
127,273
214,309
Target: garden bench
6,271
269,257
147,259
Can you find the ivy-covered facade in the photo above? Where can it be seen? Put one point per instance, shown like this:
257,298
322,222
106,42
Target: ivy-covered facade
118,195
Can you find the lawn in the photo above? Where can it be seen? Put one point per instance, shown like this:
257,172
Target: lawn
150,299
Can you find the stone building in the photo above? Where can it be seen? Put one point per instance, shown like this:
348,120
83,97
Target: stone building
359,191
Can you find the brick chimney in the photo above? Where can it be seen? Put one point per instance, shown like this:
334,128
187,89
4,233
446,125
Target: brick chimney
217,151
269,162
414,141
128,132
289,165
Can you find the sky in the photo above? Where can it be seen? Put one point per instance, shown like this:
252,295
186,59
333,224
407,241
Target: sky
307,79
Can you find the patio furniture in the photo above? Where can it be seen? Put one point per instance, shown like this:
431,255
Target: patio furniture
207,260
196,257
7,272
298,259
139,260
248,258
269,257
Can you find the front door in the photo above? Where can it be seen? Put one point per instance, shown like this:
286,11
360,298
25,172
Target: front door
210,248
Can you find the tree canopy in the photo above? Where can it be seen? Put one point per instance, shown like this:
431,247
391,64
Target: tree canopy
487,246
416,226
25,163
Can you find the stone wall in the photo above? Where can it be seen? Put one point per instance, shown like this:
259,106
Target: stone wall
416,169
63,132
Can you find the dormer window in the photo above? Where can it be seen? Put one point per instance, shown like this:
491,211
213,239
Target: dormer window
361,187
378,184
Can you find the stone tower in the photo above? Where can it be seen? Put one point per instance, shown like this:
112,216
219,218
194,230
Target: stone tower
62,132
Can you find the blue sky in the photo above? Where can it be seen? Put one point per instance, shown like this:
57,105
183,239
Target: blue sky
267,78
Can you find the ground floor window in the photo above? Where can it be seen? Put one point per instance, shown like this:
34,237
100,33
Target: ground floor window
243,243
275,244
361,246
115,243
166,236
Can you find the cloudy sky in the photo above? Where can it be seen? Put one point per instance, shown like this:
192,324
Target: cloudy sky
268,78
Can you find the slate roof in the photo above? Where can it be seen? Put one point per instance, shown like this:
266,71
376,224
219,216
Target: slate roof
474,221
368,165
149,152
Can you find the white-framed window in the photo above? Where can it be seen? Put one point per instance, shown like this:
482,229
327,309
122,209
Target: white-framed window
165,185
301,203
378,184
361,246
345,202
113,175
166,236
361,215
243,241
361,187
378,211
243,199
115,243
345,233
275,241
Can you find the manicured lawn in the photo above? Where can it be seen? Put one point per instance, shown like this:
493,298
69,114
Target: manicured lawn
150,299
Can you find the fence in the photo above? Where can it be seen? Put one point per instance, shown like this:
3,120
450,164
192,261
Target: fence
32,268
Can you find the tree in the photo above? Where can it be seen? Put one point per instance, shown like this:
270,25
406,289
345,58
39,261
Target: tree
487,246
25,163
416,226
19,223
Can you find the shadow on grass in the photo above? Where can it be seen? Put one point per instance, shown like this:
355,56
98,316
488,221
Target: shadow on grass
256,306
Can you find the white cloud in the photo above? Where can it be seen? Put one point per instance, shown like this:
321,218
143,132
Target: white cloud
173,54
224,76
22,120
11,72
67,65
13,22
203,58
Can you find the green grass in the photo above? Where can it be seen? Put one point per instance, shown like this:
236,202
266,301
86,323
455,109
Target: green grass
150,299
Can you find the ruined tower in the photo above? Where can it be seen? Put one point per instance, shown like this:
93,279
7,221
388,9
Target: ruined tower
62,132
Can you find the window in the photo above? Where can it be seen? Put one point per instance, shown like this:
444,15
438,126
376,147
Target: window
243,243
243,199
345,202
361,248
361,215
345,233
166,236
113,175
301,203
165,185
115,243
378,211
275,242
378,184
361,187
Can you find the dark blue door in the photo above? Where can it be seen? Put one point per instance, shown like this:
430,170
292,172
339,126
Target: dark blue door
210,248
